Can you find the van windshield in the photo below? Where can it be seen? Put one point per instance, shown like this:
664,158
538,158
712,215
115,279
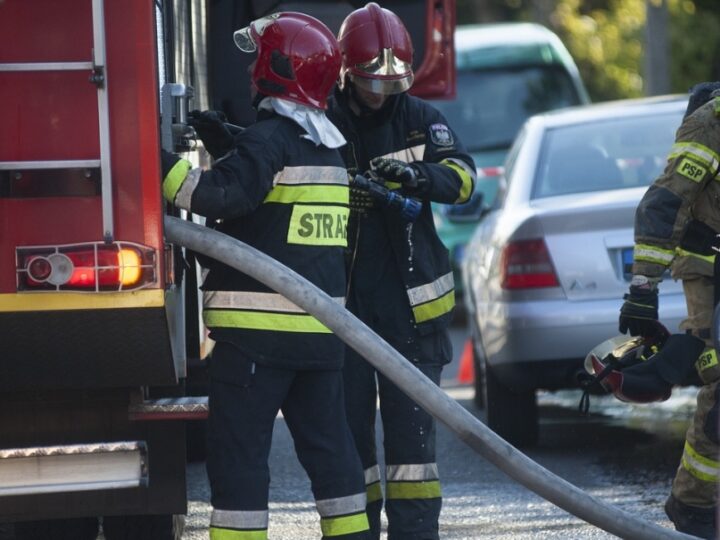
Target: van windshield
492,105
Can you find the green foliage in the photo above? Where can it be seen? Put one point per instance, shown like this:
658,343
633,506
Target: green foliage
695,43
607,39
607,45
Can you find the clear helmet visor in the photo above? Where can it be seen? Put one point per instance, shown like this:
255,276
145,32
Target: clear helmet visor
244,38
244,41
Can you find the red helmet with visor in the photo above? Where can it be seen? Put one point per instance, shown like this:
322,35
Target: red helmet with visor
376,51
298,57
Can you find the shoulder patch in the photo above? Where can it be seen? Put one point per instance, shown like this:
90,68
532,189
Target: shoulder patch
441,135
689,169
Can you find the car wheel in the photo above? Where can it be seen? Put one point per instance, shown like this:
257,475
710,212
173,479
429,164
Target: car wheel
512,415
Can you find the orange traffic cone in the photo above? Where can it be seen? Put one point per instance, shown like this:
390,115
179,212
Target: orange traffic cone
466,371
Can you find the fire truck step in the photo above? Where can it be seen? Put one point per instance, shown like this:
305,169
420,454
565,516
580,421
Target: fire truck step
73,467
176,408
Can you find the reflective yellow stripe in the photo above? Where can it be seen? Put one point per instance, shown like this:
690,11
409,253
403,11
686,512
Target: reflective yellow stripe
218,533
700,467
62,301
434,309
374,492
174,179
467,180
339,526
684,253
287,194
315,225
707,360
252,320
413,490
653,254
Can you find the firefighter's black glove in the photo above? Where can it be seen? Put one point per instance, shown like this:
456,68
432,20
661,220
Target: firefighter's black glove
167,162
394,170
212,131
639,312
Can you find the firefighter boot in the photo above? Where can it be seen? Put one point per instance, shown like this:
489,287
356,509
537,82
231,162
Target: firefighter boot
700,522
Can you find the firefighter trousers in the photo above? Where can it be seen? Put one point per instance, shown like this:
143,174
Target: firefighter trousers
245,398
412,487
696,480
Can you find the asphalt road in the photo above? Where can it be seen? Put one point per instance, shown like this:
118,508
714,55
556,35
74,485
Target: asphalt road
623,455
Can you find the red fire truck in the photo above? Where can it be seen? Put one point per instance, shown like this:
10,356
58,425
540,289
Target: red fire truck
99,319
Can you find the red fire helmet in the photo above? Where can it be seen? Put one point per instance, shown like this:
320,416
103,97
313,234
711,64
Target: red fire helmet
376,49
298,57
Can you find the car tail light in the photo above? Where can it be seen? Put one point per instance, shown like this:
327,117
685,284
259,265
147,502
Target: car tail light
526,264
90,266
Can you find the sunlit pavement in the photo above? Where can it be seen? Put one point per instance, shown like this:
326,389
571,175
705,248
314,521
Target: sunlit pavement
622,454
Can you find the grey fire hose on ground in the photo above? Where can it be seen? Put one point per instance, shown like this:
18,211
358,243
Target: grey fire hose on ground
411,381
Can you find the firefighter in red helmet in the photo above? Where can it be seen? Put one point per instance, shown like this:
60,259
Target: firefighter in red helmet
268,190
400,278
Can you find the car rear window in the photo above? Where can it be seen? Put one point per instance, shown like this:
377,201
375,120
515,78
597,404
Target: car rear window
491,105
616,153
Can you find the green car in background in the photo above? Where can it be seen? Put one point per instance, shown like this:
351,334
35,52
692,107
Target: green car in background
506,72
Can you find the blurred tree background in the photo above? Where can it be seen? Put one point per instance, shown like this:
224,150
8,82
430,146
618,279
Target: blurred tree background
611,39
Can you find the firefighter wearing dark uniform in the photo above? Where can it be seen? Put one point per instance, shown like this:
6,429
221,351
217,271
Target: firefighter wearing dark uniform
676,226
400,278
283,189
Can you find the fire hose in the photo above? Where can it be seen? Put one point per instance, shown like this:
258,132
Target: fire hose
410,380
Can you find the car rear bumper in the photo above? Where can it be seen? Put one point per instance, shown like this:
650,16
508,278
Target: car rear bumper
556,330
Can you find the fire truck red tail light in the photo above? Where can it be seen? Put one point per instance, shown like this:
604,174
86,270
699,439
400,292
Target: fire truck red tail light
91,266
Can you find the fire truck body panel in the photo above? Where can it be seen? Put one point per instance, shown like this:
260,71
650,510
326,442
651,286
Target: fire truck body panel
98,317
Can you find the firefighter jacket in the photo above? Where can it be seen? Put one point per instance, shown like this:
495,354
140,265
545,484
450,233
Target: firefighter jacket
679,215
413,131
287,197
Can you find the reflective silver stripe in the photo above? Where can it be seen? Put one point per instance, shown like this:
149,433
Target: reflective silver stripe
702,153
649,254
372,475
341,506
257,301
464,166
311,175
410,473
431,291
408,155
184,194
239,519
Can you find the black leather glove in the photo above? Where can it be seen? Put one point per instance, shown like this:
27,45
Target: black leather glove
639,312
212,131
394,170
167,162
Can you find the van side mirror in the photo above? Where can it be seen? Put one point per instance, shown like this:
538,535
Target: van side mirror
467,212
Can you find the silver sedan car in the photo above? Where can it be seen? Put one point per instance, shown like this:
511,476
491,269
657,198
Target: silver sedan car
546,269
